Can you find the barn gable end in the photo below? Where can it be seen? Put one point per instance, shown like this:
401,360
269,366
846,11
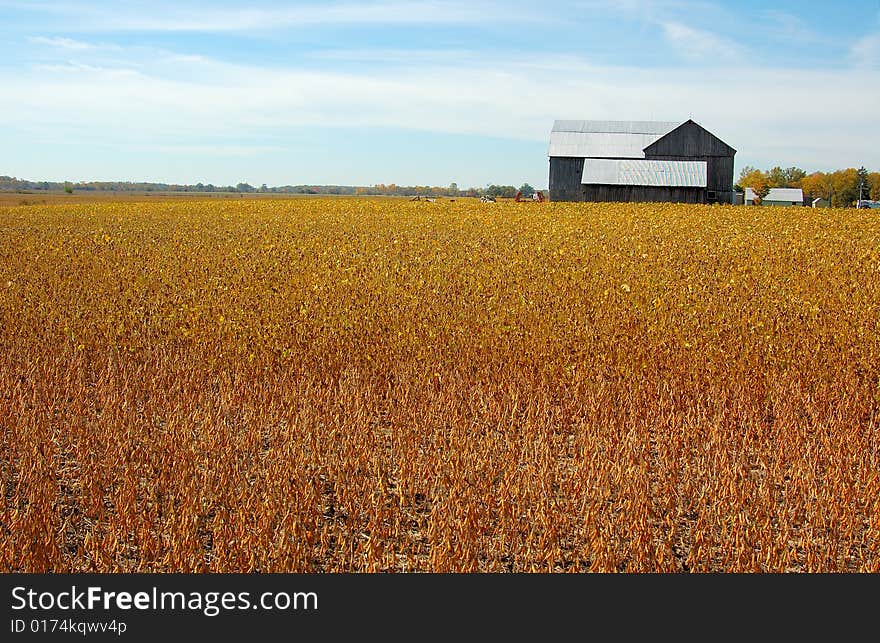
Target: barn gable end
689,140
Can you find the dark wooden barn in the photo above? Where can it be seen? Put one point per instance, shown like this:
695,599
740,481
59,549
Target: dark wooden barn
639,161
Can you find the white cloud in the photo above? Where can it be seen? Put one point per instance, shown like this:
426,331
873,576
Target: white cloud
62,43
697,44
782,24
865,52
178,17
678,22
217,149
396,56
74,67
770,115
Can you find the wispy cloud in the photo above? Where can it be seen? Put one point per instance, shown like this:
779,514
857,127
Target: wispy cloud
169,17
213,149
173,105
782,24
74,67
697,44
395,56
165,95
865,52
686,25
62,43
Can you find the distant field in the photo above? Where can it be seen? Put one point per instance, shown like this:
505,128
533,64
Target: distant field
83,196
376,385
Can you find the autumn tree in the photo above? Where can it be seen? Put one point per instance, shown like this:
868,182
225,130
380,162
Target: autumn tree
845,184
747,170
755,179
817,185
874,185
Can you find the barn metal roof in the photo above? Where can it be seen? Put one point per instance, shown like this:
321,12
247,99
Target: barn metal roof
785,194
606,139
616,127
645,172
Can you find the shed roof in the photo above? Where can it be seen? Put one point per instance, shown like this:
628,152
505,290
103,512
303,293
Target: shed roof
606,139
785,194
782,195
645,172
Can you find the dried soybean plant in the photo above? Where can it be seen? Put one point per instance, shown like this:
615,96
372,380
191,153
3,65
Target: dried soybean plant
374,385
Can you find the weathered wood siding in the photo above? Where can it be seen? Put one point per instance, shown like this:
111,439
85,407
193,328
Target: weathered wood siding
691,140
641,194
719,173
565,179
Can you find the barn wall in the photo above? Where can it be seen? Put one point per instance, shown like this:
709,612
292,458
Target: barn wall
565,178
719,173
691,140
641,194
565,185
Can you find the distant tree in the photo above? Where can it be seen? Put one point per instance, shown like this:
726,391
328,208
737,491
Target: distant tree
788,178
756,180
68,188
776,177
527,190
748,169
864,181
506,191
453,189
793,176
845,184
244,187
817,185
874,185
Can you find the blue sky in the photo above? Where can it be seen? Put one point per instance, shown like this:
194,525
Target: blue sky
432,92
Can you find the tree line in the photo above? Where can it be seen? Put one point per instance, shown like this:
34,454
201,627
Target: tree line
12,184
840,188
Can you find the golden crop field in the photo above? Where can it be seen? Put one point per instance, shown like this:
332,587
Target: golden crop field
380,385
